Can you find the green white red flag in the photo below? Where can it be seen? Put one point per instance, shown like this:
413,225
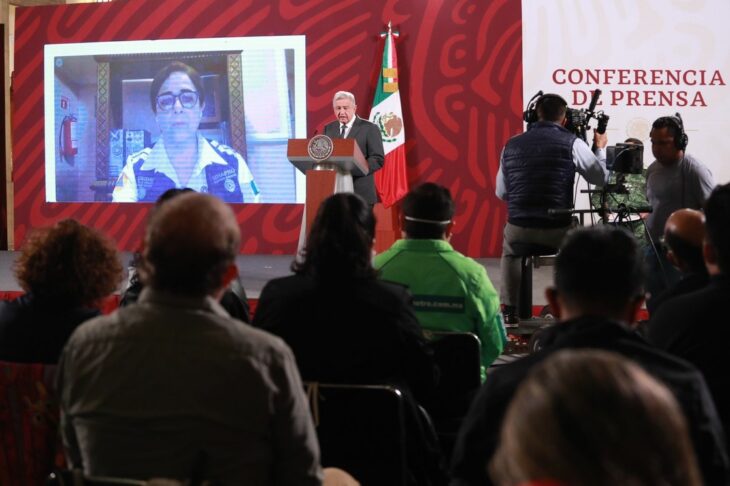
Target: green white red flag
391,181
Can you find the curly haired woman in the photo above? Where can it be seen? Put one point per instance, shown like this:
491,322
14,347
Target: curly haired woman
65,271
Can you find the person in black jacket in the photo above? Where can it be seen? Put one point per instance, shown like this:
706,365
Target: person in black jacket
343,324
536,173
346,326
597,295
65,270
694,326
684,234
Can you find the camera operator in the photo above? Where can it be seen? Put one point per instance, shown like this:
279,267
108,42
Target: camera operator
675,180
536,173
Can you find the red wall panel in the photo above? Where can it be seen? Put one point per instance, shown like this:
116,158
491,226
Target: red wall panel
460,80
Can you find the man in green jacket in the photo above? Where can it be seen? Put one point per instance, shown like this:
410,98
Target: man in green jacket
451,292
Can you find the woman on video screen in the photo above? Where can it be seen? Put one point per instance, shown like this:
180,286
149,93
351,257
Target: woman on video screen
182,157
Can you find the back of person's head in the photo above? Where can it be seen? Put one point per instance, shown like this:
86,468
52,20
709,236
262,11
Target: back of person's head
551,107
594,418
68,264
717,225
170,193
427,211
340,240
137,257
190,242
599,270
684,233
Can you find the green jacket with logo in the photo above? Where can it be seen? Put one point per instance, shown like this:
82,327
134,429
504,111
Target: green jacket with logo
451,292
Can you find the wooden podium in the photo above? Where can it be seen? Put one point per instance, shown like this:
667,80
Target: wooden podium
345,158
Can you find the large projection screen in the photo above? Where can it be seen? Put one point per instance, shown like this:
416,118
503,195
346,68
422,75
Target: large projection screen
99,119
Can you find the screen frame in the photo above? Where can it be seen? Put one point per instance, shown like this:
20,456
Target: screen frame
297,43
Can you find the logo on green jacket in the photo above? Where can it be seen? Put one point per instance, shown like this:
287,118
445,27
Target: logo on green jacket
437,303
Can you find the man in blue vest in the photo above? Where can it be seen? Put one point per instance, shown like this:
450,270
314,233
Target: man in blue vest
536,173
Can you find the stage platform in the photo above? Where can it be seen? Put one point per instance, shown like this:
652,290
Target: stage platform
256,270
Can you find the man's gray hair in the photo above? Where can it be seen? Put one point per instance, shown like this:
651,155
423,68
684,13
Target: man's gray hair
344,95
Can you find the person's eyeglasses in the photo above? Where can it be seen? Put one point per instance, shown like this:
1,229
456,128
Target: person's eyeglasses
188,99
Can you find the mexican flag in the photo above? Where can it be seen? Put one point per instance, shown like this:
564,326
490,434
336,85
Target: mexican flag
391,181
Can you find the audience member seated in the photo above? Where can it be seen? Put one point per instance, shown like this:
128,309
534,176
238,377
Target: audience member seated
684,234
593,418
65,271
452,292
234,299
346,326
343,324
596,298
694,326
172,385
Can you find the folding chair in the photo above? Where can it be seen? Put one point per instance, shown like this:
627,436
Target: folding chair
77,478
361,429
458,356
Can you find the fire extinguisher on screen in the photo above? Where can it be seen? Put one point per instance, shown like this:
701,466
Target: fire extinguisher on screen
68,140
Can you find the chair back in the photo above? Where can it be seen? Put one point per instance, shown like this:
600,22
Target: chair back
29,438
361,429
458,356
77,478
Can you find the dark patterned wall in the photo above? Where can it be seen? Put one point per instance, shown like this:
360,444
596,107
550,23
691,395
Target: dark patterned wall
460,80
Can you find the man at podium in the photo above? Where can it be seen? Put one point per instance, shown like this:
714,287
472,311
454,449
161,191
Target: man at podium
367,136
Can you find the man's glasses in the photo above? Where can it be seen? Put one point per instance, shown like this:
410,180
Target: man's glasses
188,99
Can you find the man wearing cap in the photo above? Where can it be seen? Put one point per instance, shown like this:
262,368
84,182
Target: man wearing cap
451,292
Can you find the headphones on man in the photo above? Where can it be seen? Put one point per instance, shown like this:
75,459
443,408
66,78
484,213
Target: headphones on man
533,106
680,138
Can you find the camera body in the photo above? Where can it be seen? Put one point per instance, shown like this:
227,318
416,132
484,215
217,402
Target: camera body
577,120
625,158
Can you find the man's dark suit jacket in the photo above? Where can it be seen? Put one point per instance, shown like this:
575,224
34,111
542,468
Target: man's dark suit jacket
695,327
690,282
367,136
479,435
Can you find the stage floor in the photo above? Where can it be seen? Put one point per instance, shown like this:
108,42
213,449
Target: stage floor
256,270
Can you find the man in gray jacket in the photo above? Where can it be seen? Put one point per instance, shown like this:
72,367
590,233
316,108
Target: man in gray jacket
172,386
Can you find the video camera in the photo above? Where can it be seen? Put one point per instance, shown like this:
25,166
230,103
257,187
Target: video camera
625,158
576,120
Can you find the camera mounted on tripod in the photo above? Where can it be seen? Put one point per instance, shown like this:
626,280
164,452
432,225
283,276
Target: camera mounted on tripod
625,158
577,120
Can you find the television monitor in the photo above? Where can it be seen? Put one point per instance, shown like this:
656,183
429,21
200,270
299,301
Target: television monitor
113,140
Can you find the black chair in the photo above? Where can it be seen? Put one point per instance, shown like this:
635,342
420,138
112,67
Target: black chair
30,444
529,253
361,429
458,356
77,478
